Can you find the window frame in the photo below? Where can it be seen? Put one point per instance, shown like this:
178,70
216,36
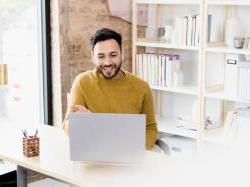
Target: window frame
46,62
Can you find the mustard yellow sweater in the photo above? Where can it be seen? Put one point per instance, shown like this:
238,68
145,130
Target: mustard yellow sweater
129,95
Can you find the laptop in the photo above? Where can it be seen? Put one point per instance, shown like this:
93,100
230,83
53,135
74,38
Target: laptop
107,138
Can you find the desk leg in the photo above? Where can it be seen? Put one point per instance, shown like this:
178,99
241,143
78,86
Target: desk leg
21,177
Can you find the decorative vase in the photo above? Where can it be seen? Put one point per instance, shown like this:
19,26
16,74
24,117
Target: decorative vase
177,78
233,28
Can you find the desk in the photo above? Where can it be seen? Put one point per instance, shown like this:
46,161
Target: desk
156,170
54,161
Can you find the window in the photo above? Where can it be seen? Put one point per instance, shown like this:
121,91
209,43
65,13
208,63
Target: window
25,97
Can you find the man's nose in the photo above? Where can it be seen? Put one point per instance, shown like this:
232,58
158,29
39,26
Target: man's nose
107,62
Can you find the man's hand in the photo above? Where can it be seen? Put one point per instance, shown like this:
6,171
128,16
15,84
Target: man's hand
79,108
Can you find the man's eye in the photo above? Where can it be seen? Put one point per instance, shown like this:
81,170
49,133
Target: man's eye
114,55
100,56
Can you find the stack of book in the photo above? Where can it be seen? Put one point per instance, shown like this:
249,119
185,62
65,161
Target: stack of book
157,69
187,30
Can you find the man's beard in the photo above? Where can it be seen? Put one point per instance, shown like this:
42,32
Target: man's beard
100,70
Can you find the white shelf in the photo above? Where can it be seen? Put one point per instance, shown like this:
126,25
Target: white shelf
172,126
177,2
162,44
190,90
228,2
222,96
215,136
224,49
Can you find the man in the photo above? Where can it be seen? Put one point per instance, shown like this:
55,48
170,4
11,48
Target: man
110,89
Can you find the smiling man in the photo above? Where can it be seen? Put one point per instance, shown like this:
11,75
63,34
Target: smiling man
110,89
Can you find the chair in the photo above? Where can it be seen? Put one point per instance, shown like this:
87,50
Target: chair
162,144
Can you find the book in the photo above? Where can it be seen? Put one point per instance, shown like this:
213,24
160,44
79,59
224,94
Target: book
140,66
193,30
137,64
209,23
197,30
156,59
163,70
189,30
159,77
150,68
145,66
184,30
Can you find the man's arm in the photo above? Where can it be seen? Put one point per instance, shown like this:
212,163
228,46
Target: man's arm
151,126
76,103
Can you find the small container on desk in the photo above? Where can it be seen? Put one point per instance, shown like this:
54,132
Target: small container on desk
31,146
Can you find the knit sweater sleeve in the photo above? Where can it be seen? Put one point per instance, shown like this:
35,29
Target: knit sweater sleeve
76,97
151,125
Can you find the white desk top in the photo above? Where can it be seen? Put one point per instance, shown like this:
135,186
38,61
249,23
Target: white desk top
54,161
156,170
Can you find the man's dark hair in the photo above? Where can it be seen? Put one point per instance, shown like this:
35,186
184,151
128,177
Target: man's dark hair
105,34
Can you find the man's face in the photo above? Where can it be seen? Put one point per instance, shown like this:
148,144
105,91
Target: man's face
107,57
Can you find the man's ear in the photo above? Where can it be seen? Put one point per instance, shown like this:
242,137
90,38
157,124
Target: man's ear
92,56
122,56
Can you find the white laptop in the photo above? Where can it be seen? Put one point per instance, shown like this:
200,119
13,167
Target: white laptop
107,138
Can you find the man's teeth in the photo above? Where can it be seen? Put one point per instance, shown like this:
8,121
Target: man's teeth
108,68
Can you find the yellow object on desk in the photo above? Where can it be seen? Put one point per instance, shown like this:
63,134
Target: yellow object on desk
3,74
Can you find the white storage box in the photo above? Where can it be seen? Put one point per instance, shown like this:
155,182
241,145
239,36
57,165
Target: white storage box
231,74
244,80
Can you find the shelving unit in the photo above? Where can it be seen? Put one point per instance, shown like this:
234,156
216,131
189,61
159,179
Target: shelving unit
197,57
170,123
218,48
